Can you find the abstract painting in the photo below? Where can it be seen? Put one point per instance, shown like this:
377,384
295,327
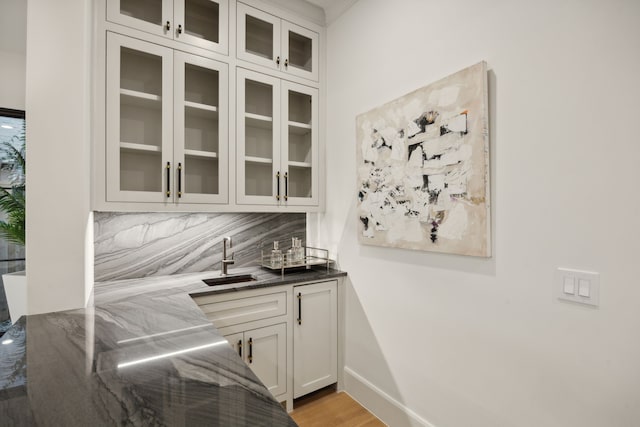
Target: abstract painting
423,168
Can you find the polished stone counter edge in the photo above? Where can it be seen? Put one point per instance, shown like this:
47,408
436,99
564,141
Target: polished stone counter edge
192,283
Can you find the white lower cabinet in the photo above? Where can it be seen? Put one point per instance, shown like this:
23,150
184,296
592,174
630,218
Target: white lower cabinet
315,337
287,335
264,350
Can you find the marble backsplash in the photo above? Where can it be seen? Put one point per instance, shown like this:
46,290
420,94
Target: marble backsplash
135,245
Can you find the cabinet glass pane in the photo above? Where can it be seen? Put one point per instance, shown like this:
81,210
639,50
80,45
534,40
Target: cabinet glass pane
201,175
259,37
146,10
299,127
258,179
299,107
258,120
140,170
201,130
140,71
202,19
299,181
201,109
300,51
201,85
299,145
258,98
140,121
258,137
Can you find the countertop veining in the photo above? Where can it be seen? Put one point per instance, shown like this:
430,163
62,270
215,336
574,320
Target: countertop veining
143,354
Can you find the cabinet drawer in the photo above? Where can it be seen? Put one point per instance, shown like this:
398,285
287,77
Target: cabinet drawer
233,312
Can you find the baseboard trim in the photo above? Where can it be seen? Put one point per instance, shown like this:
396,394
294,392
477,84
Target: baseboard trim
379,403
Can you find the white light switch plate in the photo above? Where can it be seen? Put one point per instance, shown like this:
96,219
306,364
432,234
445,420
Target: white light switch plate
586,289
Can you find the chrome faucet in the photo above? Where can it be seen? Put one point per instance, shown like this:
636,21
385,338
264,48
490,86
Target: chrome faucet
226,262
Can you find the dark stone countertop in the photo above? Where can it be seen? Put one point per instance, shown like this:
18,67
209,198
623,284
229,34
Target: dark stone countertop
143,355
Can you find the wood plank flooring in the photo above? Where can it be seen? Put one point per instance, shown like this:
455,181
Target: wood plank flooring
326,408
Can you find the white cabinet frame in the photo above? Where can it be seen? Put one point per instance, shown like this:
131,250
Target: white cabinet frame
315,337
280,159
222,111
173,23
114,192
280,49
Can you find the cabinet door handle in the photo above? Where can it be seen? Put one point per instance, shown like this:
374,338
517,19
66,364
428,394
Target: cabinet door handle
179,29
286,63
299,308
179,179
278,60
240,348
250,350
168,179
286,185
168,26
278,185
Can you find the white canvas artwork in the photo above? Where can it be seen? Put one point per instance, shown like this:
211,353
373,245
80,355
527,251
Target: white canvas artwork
423,168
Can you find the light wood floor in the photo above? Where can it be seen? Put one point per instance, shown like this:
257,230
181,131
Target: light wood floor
326,408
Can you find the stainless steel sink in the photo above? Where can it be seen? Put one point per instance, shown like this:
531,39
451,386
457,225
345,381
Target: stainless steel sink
230,279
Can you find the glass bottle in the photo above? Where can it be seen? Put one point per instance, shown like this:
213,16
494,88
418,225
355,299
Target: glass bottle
276,255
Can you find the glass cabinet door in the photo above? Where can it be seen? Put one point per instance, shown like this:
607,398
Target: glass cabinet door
299,144
202,23
259,179
300,51
267,40
200,129
258,37
152,16
139,121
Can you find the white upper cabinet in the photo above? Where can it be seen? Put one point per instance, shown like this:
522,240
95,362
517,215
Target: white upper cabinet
277,141
275,43
201,23
200,126
167,125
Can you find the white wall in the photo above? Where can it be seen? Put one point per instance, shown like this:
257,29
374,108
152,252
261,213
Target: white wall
13,36
12,80
59,222
462,341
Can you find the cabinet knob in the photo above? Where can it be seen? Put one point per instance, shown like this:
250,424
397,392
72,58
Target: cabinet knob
179,29
168,26
278,60
286,63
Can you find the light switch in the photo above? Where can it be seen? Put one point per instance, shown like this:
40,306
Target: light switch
584,288
569,286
